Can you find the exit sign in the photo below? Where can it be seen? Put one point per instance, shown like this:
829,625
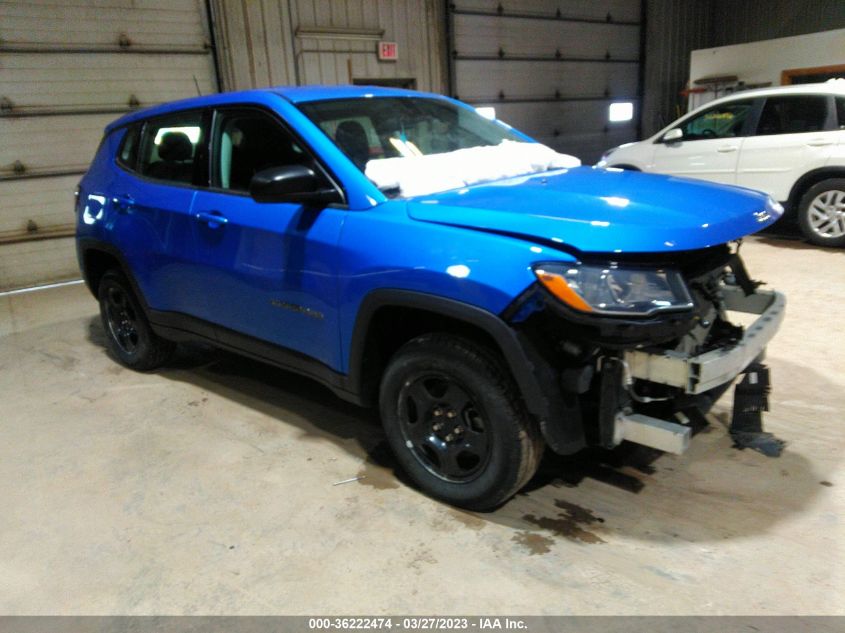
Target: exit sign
388,51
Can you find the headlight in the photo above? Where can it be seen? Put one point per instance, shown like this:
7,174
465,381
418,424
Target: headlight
605,156
615,290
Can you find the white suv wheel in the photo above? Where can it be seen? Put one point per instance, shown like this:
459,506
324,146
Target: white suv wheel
821,213
827,214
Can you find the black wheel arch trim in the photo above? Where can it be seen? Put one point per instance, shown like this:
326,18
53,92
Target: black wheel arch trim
86,245
521,362
809,179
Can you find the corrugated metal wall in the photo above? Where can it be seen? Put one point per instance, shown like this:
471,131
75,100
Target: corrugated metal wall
752,20
673,29
299,42
254,43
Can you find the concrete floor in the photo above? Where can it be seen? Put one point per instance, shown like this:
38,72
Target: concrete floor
207,488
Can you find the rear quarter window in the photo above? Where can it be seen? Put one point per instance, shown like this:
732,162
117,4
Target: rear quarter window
169,146
127,153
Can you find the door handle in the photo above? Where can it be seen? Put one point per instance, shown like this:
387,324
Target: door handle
819,142
213,219
123,203
724,149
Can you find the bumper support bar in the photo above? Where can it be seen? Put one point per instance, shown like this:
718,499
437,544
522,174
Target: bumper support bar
697,374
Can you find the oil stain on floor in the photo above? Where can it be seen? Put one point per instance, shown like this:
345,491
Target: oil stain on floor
570,523
378,471
533,542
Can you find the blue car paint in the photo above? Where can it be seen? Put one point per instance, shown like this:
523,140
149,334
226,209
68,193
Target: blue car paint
267,257
326,262
598,210
383,248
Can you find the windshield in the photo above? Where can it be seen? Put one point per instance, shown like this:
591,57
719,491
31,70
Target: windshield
412,146
395,127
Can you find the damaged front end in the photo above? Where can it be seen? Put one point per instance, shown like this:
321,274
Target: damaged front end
639,348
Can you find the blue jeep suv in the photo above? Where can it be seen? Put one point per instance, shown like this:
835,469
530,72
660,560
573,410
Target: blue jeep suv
490,296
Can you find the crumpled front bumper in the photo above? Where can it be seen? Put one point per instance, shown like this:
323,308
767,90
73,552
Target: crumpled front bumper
700,373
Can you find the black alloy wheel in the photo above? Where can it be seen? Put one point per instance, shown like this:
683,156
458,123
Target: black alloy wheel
121,319
456,422
444,426
128,332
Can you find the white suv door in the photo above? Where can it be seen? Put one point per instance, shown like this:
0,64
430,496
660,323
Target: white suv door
710,145
795,134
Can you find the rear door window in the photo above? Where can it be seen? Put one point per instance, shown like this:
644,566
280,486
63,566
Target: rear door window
793,115
169,146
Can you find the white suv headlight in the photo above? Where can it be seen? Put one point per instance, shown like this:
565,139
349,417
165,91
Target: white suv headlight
603,160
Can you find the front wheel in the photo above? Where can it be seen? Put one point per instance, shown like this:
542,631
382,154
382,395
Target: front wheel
821,213
456,424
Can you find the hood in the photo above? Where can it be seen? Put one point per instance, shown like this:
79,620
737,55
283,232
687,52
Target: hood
597,210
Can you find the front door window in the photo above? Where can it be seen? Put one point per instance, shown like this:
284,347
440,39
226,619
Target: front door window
247,142
724,121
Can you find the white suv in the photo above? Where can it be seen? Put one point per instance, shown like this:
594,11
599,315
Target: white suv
788,142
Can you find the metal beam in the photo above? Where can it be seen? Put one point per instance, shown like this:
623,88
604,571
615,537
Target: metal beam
339,33
542,16
551,99
66,49
51,173
542,58
18,112
48,233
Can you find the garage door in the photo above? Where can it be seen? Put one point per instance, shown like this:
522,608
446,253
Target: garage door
68,67
551,68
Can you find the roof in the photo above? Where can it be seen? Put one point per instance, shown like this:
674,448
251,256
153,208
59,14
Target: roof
830,87
294,94
302,94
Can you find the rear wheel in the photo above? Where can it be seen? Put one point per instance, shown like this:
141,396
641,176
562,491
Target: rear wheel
821,213
454,420
128,333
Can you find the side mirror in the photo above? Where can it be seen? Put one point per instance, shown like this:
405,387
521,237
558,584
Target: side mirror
291,183
673,135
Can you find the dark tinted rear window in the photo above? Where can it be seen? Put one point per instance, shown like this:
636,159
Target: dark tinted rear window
793,115
169,145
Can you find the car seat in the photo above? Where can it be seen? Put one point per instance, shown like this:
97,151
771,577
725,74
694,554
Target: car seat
176,153
352,139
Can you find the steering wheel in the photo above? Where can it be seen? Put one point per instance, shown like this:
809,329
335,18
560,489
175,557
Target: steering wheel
707,133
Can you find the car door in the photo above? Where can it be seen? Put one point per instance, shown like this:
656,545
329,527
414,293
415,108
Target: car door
152,195
269,268
710,145
795,134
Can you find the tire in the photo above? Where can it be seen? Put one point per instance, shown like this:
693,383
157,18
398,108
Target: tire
821,213
128,333
456,423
